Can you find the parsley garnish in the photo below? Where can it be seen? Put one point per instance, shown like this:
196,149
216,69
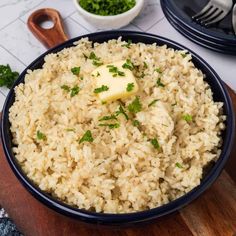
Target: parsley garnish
41,136
153,102
130,87
103,88
127,44
111,117
136,123
87,137
115,71
74,91
128,65
93,56
145,65
187,117
97,63
155,143
122,111
111,126
75,70
158,70
178,165
66,88
7,76
81,78
159,83
135,106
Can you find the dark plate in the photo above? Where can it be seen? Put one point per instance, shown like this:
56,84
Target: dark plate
221,32
218,47
219,92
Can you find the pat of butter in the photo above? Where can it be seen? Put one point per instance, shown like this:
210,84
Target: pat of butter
117,85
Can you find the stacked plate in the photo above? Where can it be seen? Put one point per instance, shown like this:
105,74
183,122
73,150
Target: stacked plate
219,37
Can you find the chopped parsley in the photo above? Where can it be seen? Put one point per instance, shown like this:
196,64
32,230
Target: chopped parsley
127,45
130,87
41,136
155,143
115,71
128,65
135,106
93,56
103,88
136,123
75,70
159,83
66,88
122,111
111,126
178,165
145,65
70,130
187,117
97,63
74,91
111,117
87,137
158,70
81,78
153,102
7,76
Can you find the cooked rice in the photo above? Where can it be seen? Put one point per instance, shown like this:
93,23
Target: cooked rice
120,171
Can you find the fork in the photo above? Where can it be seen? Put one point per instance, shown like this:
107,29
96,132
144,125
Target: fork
214,11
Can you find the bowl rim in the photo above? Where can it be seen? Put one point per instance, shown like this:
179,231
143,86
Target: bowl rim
131,11
123,218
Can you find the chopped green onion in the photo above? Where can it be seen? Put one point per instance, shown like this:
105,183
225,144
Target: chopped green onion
87,137
159,83
136,123
111,117
93,56
155,143
187,117
111,126
97,63
158,70
128,65
74,91
66,88
41,136
145,65
178,165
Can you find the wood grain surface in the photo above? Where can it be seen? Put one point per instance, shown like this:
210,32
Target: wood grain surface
212,214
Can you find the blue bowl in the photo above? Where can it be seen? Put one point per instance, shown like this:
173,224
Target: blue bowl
220,94
193,36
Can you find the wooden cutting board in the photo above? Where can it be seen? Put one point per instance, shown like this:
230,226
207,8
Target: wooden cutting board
212,214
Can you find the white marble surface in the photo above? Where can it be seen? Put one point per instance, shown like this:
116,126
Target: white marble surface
18,47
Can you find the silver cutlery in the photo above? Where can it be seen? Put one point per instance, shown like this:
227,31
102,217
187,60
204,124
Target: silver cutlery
234,18
214,11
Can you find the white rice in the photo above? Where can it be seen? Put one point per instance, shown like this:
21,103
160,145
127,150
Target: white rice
120,171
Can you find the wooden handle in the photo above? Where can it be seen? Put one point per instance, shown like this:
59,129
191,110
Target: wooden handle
49,37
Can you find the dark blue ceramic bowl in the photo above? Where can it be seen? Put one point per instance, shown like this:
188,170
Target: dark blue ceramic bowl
220,94
193,36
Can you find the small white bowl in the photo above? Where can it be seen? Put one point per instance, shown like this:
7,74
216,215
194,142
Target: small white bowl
110,22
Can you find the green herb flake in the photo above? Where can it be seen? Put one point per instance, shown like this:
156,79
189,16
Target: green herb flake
111,117
93,56
159,83
81,78
122,111
111,126
155,143
74,91
113,69
41,136
130,87
103,88
70,130
127,45
128,65
7,76
66,88
178,165
104,102
135,106
87,137
136,123
158,70
187,117
98,74
183,55
75,70
153,102
97,63
145,65
174,104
